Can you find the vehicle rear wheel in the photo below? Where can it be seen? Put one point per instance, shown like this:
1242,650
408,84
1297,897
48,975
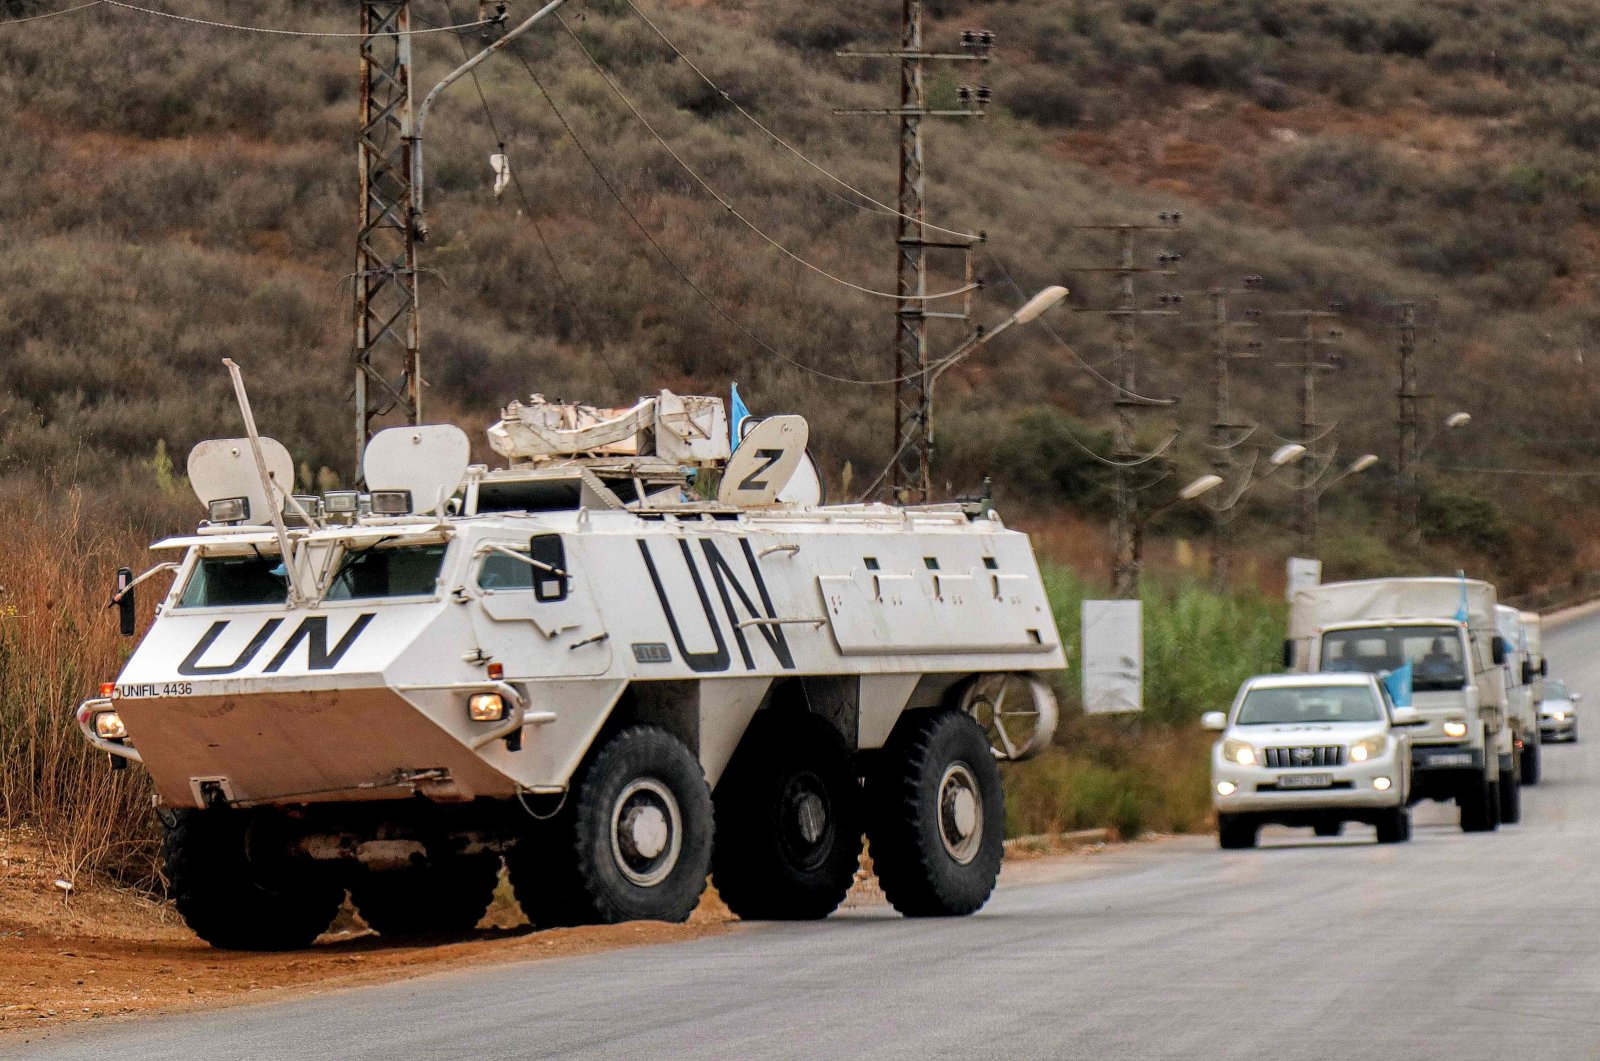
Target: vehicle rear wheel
789,826
1479,804
633,842
936,816
1510,797
1328,828
1395,826
1235,832
447,898
227,899
1532,761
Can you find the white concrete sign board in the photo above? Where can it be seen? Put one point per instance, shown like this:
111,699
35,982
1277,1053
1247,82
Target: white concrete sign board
1303,574
1113,656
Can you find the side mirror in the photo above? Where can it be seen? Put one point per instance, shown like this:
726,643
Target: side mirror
1527,672
1407,716
1575,697
1288,654
127,608
1216,721
1497,650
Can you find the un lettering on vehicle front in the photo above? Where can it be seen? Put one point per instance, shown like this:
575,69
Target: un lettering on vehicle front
145,692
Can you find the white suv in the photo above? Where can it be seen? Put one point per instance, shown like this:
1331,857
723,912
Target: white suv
1312,750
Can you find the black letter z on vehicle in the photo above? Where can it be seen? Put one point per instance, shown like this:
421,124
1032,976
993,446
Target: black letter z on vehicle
753,481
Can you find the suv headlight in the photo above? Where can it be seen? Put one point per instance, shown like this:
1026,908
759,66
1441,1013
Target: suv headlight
1370,748
1238,752
108,725
1455,729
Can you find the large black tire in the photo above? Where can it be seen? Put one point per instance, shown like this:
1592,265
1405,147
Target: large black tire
1479,804
1395,826
1328,828
447,898
1532,760
633,842
936,816
789,821
230,901
1510,797
1236,832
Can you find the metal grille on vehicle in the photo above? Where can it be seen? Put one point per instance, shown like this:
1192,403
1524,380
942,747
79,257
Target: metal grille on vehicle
1326,755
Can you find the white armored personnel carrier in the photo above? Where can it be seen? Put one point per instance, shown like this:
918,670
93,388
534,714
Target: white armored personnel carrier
590,663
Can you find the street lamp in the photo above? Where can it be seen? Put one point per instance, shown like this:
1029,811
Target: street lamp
1409,501
1317,487
1223,513
1127,578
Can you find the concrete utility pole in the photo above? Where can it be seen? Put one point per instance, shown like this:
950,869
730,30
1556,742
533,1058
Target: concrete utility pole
1127,400
388,368
1222,419
913,408
1310,363
1407,500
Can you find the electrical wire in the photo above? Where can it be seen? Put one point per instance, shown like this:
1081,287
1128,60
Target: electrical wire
881,207
728,206
51,14
538,229
282,32
683,274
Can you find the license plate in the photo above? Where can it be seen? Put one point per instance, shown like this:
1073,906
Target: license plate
1451,759
1305,780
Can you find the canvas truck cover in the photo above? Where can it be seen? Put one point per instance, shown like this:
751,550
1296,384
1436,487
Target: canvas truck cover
1392,598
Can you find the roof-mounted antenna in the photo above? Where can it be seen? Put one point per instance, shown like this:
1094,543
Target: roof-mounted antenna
268,483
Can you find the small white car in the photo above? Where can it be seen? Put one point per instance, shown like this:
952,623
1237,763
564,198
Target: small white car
1313,750
1558,712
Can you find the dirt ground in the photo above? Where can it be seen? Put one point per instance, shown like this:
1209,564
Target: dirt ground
100,951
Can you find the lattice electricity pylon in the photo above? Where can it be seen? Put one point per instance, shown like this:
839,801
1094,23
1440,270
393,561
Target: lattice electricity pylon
388,374
913,407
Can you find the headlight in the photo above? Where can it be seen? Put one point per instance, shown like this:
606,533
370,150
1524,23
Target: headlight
1455,729
1238,752
1370,748
1382,784
486,707
1226,788
108,726
1559,716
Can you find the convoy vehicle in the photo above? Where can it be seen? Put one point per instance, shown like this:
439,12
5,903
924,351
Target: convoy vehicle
1445,629
595,664
1538,669
1313,750
1558,712
1522,690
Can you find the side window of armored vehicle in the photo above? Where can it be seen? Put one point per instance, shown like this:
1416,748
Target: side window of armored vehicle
230,581
502,572
403,571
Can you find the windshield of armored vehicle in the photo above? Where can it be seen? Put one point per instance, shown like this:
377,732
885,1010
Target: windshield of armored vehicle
1434,653
224,581
1327,703
388,571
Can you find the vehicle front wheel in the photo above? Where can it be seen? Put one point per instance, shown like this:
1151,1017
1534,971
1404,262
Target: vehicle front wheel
1479,803
634,843
232,902
1395,826
1235,832
1532,761
789,825
1510,797
936,817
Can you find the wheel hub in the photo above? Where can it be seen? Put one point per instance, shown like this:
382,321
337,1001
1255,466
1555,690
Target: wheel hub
646,832
805,822
811,817
960,820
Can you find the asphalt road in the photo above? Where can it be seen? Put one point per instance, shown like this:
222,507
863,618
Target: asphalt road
1454,946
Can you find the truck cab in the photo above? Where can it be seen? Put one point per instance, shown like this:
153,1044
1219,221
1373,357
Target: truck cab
1445,631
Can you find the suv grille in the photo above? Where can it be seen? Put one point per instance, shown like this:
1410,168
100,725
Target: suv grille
1327,755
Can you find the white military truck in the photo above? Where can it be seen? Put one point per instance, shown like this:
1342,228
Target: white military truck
1538,670
1522,694
590,664
1446,629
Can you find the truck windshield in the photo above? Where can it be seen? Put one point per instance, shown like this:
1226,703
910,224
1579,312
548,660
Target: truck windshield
221,581
388,571
1434,653
1326,703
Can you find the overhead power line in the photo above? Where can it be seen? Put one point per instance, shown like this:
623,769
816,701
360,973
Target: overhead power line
728,206
271,30
51,14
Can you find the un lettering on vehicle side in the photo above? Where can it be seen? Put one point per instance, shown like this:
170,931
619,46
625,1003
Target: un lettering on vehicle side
728,586
313,631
